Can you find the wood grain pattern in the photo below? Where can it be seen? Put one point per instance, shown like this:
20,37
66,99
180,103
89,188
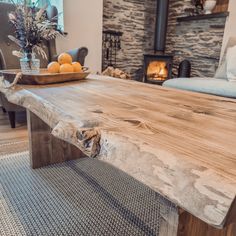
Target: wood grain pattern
191,226
181,144
46,149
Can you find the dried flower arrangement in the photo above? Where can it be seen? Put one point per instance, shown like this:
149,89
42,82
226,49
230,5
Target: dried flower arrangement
32,28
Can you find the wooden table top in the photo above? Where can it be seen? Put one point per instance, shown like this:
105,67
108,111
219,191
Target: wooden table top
180,144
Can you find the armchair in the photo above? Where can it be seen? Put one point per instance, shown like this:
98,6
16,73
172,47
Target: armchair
8,61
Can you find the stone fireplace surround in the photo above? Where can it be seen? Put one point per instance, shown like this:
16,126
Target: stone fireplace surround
199,41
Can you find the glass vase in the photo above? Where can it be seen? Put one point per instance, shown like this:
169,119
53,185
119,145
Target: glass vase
29,64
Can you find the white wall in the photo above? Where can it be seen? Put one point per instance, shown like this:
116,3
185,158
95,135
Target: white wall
230,29
83,22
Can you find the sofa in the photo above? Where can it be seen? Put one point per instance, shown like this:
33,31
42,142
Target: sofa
214,86
8,61
219,85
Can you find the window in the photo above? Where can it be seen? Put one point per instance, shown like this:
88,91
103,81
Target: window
58,4
41,3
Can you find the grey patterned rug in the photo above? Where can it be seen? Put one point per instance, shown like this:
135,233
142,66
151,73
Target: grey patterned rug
82,197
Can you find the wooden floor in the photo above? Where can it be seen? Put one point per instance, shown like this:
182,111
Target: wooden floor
9,135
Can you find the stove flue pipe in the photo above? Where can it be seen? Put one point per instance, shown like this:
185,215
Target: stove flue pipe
161,25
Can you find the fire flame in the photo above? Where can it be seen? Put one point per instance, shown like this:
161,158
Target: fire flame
157,70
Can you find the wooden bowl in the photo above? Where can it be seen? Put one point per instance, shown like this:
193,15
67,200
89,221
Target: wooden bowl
44,77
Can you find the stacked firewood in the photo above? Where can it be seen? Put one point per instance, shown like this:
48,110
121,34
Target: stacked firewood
116,73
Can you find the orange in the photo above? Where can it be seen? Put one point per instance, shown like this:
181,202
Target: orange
77,67
53,67
66,68
64,58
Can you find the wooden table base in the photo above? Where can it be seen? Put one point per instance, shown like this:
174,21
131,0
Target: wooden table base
45,149
192,226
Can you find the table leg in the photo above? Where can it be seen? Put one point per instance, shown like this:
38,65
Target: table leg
191,226
45,149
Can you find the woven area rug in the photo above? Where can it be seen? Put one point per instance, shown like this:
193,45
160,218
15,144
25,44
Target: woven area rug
82,197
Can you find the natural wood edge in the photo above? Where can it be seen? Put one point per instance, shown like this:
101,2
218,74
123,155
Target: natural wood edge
119,161
63,126
229,219
86,139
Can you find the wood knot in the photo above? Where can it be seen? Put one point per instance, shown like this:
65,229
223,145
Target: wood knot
141,126
89,140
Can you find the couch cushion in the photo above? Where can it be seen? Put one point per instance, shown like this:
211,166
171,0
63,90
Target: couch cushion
231,64
204,85
221,72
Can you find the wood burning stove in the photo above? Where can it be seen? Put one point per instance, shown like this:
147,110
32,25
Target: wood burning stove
158,66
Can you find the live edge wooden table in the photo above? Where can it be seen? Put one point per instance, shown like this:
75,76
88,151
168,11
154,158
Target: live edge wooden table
180,144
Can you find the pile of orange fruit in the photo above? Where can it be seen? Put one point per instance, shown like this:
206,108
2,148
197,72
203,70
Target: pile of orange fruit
64,65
